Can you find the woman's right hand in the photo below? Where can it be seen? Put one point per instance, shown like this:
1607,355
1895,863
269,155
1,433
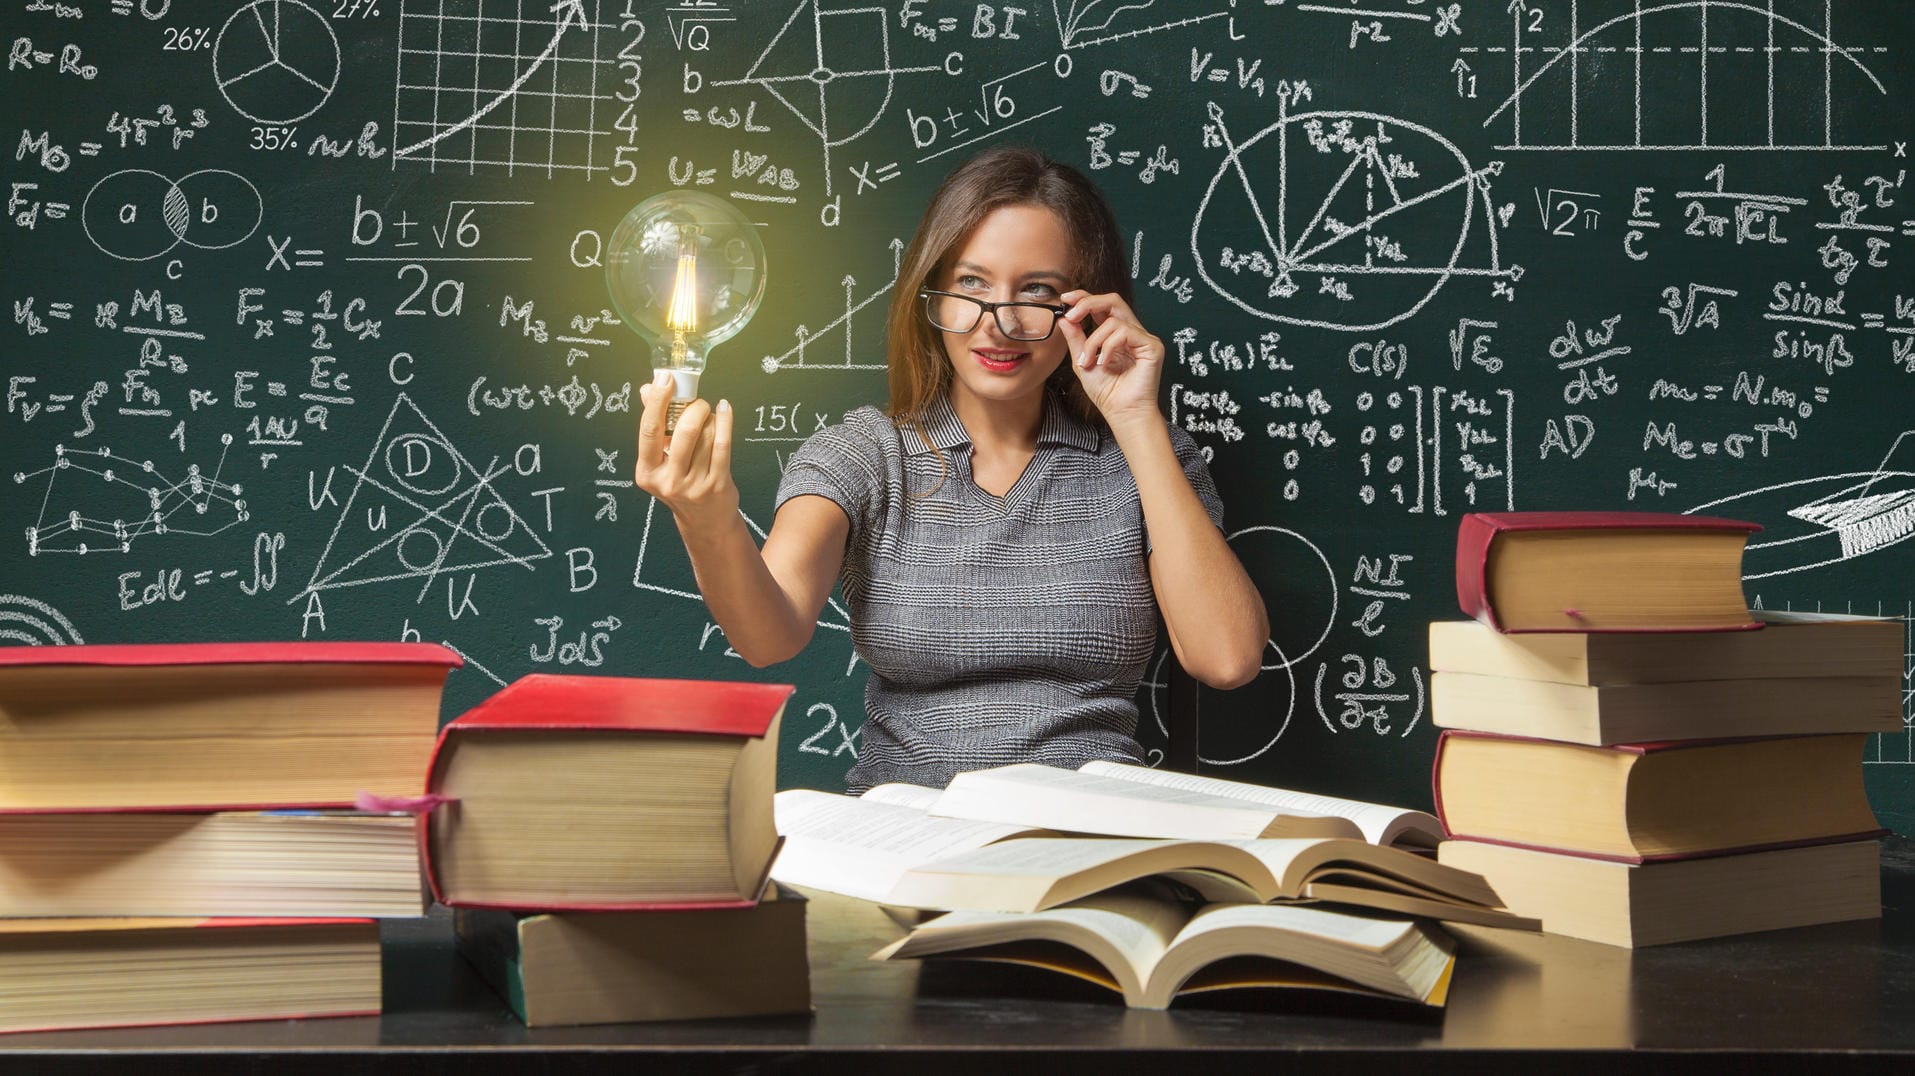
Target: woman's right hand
692,473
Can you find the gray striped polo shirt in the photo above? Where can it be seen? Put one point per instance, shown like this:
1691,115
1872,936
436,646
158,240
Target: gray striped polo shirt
998,629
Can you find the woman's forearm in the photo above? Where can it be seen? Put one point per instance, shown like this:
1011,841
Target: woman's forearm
1212,610
758,617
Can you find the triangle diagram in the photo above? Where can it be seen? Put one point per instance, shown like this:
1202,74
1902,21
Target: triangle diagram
418,509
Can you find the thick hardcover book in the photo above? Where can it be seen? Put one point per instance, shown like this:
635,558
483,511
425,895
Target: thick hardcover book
244,863
570,793
562,969
1638,713
1602,571
216,726
1791,645
1634,905
75,973
1647,802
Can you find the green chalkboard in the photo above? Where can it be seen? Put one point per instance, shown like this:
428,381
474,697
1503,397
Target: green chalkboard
309,332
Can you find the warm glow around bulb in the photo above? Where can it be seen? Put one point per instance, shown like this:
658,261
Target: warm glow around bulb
683,316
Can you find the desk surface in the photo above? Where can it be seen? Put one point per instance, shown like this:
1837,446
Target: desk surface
1846,988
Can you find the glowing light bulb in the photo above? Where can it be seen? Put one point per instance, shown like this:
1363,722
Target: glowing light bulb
686,271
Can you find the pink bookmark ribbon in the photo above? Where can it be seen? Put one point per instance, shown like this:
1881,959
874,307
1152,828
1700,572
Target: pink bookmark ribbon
377,804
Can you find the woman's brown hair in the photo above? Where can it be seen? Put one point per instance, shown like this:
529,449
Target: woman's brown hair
1006,176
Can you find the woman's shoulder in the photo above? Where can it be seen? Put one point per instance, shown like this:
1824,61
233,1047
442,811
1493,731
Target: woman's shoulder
862,431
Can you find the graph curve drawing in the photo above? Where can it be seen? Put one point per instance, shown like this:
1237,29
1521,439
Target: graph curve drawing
1636,75
1341,201
462,77
1084,23
419,509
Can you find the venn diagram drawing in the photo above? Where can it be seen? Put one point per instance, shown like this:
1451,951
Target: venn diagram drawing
137,214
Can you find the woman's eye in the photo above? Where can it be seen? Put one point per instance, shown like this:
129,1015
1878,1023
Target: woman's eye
970,283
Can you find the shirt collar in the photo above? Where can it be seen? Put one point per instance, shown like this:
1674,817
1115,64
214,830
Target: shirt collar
1058,426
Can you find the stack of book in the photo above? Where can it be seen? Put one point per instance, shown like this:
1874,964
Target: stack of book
605,844
178,838
1633,756
1149,883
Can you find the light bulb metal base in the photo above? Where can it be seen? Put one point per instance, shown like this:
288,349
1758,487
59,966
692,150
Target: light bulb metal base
684,391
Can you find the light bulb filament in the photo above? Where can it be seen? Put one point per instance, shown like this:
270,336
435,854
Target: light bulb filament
683,315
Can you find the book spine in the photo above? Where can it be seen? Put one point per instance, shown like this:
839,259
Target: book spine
433,788
1473,537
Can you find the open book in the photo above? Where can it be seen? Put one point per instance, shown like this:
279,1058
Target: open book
860,847
1036,873
1133,801
1152,948
878,849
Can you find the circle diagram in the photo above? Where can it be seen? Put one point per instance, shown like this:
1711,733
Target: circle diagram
1362,218
1307,586
137,214
276,61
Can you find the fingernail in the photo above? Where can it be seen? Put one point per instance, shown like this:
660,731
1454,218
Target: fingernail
724,406
661,376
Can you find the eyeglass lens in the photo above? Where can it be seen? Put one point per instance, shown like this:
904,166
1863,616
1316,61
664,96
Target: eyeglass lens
1019,321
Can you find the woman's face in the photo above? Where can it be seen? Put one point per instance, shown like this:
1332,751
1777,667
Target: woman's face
1017,253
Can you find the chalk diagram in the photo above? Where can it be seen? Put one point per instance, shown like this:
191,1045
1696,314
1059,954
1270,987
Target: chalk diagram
793,358
1342,201
1887,748
1294,575
1640,79
137,214
419,509
94,480
828,66
276,61
668,561
1815,522
509,88
1083,23
32,622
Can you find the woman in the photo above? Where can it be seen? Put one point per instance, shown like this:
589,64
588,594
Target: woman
1010,528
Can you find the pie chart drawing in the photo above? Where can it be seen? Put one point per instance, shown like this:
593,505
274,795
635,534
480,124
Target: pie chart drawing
276,61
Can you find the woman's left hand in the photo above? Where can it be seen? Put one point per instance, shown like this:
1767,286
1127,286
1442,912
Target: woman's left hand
1119,361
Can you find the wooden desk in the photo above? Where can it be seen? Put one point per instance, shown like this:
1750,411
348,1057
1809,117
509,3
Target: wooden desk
1843,992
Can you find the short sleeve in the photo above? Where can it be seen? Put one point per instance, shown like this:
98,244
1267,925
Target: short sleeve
1197,473
842,463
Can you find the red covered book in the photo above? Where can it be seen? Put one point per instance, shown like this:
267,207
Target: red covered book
74,973
215,726
599,792
1602,571
1638,803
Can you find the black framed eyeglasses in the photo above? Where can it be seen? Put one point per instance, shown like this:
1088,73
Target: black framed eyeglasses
954,313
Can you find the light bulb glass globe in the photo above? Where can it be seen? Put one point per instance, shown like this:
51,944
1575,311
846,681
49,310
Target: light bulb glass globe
686,271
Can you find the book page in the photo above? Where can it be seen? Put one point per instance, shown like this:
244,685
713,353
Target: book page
1359,931
1394,956
1056,857
842,844
1379,822
1126,931
901,794
1087,803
